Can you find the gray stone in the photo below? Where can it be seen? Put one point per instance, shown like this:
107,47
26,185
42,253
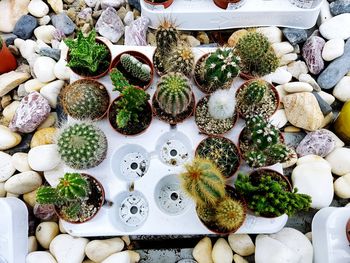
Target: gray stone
25,26
319,143
50,52
64,23
340,7
8,38
135,34
136,4
295,35
324,106
312,53
110,25
337,69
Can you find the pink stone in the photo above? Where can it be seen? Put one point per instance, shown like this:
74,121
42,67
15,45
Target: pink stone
32,111
312,53
319,143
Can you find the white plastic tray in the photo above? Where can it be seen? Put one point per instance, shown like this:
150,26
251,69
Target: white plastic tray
13,230
205,15
158,223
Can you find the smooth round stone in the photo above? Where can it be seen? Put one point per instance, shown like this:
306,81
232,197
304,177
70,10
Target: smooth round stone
44,157
294,87
43,136
38,8
25,26
339,160
319,143
51,91
280,76
308,79
336,27
282,48
202,251
327,97
40,257
233,39
23,183
49,122
288,58
8,139
56,5
64,23
2,190
33,85
30,198
127,256
61,70
342,186
6,167
273,33
45,33
32,244
342,90
44,69
333,49
46,232
296,68
99,250
222,252
340,7
10,110
20,162
241,244
279,118
44,20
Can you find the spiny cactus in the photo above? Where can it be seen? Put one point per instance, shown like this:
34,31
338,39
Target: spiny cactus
263,133
230,214
256,91
206,213
279,152
166,36
180,59
256,53
47,195
174,93
118,80
255,158
135,67
203,181
82,145
85,99
222,104
73,186
221,67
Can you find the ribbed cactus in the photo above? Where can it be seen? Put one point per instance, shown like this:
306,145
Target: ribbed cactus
174,93
85,99
279,152
180,59
256,91
166,36
118,80
82,145
230,214
256,158
206,213
221,67
263,133
73,186
47,195
222,104
135,67
203,181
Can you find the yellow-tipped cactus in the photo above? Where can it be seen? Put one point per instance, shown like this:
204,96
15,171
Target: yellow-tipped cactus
230,214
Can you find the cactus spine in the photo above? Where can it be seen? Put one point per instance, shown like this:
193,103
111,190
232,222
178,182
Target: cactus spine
255,91
279,152
82,145
222,104
255,158
203,181
180,59
166,36
136,68
47,195
174,93
206,213
230,214
264,134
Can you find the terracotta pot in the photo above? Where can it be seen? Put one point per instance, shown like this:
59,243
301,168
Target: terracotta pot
224,3
203,131
111,115
246,76
7,60
166,3
97,75
348,230
238,152
270,87
141,57
99,185
82,82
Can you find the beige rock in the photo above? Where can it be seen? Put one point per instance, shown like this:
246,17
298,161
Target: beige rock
304,77
11,12
50,121
151,39
23,182
2,190
241,244
8,139
282,48
192,41
296,68
20,162
10,80
5,101
294,87
288,58
281,91
303,111
279,118
43,136
10,110
126,240
327,119
327,97
30,198
273,33
238,259
127,256
33,85
203,250
233,39
32,244
8,194
46,232
99,250
339,160
292,129
309,236
222,252
203,38
6,167
40,257
56,5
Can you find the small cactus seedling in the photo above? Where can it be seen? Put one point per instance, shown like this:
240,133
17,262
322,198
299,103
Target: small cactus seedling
118,80
73,186
256,91
135,67
82,145
180,59
230,214
203,181
166,36
222,104
174,93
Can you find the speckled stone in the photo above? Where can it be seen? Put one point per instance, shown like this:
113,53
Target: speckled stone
319,143
340,7
295,35
312,53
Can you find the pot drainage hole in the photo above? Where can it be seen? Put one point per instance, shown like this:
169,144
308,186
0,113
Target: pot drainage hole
133,166
174,152
171,199
133,210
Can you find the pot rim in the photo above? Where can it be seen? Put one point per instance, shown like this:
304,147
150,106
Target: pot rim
166,3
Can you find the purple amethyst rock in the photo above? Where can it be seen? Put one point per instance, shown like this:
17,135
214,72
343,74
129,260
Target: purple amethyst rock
319,143
312,53
32,111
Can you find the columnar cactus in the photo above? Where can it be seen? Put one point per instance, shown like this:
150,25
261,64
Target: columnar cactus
230,214
166,36
222,104
85,99
174,93
180,59
135,67
256,91
203,181
82,145
73,186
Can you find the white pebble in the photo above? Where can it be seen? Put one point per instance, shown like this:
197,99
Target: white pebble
333,49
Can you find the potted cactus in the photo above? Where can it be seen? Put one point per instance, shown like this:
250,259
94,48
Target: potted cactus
135,67
257,97
257,56
156,3
204,182
261,143
8,61
173,100
222,151
82,145
216,70
87,56
130,113
234,4
85,99
77,198
216,114
269,194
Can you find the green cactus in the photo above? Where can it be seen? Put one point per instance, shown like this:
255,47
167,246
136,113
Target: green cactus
166,36
203,181
263,133
221,67
206,213
256,53
256,158
82,145
174,93
180,59
279,152
135,67
118,80
73,186
230,214
47,195
256,91
85,99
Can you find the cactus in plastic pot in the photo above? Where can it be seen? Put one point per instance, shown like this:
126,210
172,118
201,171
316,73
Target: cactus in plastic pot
82,145
135,67
230,214
174,93
203,181
180,59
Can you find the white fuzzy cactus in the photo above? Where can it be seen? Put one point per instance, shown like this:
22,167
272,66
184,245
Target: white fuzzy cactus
221,104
